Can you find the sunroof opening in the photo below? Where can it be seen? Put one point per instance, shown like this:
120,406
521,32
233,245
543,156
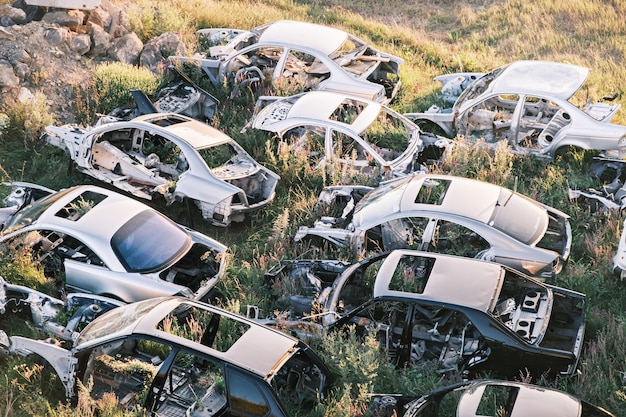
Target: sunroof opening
80,205
432,192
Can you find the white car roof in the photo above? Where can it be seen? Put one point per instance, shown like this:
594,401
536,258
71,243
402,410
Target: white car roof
455,280
321,105
196,134
322,38
552,78
530,400
259,349
514,214
101,221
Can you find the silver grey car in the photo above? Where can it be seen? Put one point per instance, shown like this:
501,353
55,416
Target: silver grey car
96,241
447,214
526,105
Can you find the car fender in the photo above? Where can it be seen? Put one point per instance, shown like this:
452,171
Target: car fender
200,189
61,360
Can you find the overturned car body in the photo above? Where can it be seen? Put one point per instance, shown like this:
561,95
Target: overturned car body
44,311
446,214
126,260
174,156
526,105
174,356
304,55
180,95
488,398
440,311
347,131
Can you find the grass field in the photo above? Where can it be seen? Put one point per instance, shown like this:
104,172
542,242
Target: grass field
434,37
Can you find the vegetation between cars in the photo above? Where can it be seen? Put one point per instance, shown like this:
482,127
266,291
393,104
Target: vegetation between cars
433,38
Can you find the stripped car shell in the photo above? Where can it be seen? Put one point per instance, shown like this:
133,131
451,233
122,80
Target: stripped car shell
175,356
43,311
488,398
171,155
448,312
526,104
139,254
351,131
306,55
446,214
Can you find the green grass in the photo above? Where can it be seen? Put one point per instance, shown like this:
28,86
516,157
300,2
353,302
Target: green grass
433,37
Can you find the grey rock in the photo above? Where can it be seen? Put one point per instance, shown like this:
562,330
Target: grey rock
158,49
100,40
71,18
18,16
8,79
81,44
22,71
126,49
56,35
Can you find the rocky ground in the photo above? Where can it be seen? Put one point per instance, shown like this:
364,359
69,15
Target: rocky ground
52,51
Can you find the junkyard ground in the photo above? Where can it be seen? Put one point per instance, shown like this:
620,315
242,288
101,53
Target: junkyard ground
434,37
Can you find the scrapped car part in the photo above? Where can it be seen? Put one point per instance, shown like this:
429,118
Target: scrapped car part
487,398
526,104
180,95
20,195
174,156
334,128
45,312
611,193
441,311
175,356
446,214
139,254
302,55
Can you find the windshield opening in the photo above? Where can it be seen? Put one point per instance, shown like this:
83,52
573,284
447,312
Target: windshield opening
29,214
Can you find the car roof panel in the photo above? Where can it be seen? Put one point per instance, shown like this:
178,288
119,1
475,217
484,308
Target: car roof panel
309,35
551,78
453,280
530,400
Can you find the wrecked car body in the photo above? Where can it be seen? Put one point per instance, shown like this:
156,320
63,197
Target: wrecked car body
488,398
304,56
526,105
180,95
44,311
174,156
446,214
441,311
334,128
174,356
126,260
609,195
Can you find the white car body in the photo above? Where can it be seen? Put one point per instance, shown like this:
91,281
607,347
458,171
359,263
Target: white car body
124,154
526,104
337,128
310,55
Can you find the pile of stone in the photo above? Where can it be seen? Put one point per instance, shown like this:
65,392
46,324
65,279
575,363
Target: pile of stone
32,37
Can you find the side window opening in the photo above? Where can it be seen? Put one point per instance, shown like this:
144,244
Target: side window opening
454,239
